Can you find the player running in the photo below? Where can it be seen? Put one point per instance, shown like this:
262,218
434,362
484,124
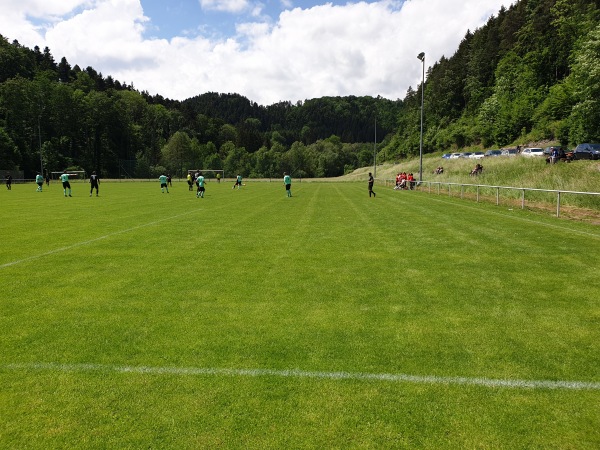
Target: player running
238,182
163,183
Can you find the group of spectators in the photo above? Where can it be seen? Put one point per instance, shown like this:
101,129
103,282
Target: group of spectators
476,170
405,181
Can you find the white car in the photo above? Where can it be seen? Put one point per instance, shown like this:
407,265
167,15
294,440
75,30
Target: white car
455,155
477,155
510,152
532,151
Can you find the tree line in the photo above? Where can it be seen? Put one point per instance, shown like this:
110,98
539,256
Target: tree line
529,74
54,116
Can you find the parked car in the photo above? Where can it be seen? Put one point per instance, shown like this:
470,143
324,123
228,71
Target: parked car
532,151
465,154
446,155
587,151
477,155
510,152
493,153
455,155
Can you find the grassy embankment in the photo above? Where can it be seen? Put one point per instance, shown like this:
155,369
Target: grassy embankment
578,176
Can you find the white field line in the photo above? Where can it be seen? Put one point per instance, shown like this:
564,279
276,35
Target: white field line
91,241
295,373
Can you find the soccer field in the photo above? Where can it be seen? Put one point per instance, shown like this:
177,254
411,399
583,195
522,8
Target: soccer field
246,319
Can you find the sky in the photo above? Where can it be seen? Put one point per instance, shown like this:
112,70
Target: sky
266,50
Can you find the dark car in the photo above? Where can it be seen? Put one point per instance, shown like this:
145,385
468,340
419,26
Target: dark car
587,151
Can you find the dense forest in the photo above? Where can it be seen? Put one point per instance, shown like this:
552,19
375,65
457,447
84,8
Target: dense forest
531,73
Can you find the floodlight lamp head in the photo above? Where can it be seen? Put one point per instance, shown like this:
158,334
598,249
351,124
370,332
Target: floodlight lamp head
421,56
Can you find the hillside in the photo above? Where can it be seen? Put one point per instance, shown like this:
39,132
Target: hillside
535,173
529,74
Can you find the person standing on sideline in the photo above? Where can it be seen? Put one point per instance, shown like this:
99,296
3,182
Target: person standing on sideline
200,185
238,182
287,180
371,181
65,182
39,179
163,183
94,182
47,179
8,177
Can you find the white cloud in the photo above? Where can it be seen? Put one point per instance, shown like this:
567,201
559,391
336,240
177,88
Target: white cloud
231,6
356,49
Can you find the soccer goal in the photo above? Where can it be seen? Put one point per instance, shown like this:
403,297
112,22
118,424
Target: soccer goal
73,175
217,174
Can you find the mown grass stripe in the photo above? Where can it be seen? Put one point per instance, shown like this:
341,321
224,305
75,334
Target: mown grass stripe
91,241
296,373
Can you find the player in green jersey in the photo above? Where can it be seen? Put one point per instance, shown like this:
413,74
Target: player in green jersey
287,181
39,179
163,183
238,182
65,182
200,185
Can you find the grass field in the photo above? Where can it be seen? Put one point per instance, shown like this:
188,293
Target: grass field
327,320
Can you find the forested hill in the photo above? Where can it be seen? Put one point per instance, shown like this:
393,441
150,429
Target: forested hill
531,73
59,116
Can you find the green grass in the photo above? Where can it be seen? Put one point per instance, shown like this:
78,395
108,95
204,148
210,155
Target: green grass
128,320
521,172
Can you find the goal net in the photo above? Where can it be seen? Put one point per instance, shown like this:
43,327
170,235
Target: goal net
209,173
73,175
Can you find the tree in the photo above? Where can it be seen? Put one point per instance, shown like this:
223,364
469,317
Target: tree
177,153
9,153
585,118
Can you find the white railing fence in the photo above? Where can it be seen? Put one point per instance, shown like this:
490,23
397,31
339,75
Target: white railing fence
436,186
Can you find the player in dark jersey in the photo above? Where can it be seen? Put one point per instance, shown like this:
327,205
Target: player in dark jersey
94,182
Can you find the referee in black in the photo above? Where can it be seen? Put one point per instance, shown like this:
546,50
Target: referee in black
94,182
371,181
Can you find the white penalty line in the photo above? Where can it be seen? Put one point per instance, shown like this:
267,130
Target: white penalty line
91,241
295,373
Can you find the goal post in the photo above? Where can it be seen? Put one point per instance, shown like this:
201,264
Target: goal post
208,173
73,175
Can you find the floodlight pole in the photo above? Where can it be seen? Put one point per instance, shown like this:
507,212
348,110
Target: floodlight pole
375,152
421,56
40,143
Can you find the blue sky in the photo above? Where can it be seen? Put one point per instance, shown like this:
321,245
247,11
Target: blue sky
266,50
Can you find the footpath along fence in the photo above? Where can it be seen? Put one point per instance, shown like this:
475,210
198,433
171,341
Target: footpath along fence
436,187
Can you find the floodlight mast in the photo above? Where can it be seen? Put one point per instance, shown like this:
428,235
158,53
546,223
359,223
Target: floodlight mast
421,56
375,152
